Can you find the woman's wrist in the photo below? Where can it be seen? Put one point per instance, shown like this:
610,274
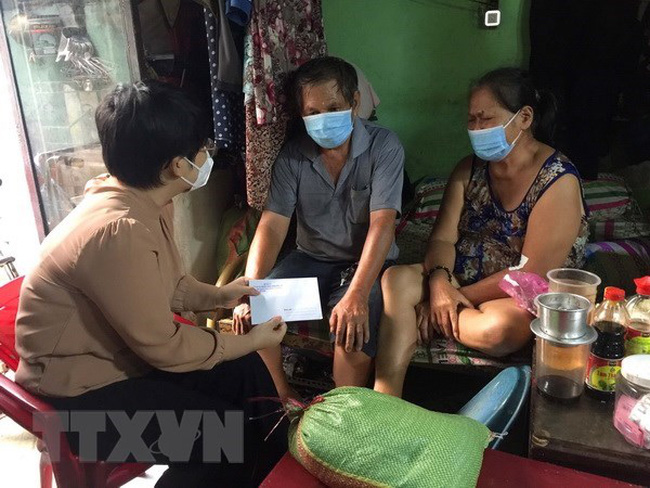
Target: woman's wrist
216,297
467,293
438,271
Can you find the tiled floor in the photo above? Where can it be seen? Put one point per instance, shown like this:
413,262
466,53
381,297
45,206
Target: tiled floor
19,460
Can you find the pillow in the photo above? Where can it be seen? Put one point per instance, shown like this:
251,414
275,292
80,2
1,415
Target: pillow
607,198
619,262
356,437
624,228
426,204
636,248
429,197
613,211
412,241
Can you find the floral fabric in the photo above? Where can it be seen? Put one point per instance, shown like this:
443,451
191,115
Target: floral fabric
282,35
491,239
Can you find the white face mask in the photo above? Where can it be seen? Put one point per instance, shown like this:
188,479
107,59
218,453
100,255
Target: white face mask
204,173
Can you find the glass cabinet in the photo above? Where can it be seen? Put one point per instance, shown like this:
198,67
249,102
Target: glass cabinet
66,55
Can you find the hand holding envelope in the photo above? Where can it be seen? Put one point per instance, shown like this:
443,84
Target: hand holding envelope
268,334
230,294
293,299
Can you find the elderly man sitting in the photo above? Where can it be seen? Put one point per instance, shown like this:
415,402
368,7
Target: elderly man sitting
343,179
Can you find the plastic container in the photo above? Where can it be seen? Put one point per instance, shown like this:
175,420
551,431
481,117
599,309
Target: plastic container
637,338
562,345
632,408
610,321
576,281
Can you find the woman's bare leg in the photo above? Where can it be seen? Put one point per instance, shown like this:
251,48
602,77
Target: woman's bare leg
497,328
402,287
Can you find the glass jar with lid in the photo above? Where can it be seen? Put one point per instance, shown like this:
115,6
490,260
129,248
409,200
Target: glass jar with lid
632,408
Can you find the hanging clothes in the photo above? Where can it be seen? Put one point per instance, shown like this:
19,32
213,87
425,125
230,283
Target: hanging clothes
227,96
239,11
369,100
282,35
226,41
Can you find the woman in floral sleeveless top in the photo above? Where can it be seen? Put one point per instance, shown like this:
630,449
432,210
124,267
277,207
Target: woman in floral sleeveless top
516,202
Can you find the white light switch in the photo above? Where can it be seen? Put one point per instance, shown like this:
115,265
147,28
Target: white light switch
492,18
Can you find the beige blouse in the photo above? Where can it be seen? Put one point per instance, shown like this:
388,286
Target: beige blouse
98,306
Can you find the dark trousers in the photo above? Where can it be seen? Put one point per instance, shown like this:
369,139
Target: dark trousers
226,387
298,264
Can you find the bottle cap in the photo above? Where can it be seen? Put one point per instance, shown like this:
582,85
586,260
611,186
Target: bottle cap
643,285
614,294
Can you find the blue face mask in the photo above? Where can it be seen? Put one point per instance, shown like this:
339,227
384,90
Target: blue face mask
331,129
491,144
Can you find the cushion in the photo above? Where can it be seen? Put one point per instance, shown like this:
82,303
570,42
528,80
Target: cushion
607,198
613,214
314,336
443,351
426,204
412,241
619,262
624,228
412,233
357,437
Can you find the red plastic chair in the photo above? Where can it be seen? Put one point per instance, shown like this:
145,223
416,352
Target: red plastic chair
22,406
9,294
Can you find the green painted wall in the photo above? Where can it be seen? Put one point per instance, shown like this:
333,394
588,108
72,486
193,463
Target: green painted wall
421,56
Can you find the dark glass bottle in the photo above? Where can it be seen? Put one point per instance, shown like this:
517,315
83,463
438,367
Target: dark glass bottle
607,352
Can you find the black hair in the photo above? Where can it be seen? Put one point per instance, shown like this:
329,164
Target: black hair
513,89
321,70
143,126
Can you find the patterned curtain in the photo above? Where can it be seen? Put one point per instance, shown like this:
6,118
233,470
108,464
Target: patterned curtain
282,35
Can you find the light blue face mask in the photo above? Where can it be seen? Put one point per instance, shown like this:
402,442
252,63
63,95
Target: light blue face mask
330,129
491,144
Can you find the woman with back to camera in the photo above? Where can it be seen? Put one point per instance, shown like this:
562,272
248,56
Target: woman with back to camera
95,329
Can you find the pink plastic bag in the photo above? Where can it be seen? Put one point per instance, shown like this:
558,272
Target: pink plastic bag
524,287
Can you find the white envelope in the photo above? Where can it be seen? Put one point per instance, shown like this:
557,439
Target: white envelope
292,299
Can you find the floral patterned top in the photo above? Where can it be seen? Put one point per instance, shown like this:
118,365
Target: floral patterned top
490,238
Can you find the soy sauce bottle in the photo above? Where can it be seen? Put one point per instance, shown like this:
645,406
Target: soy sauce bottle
637,339
610,321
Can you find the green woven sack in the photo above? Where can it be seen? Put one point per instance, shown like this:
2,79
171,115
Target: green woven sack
356,437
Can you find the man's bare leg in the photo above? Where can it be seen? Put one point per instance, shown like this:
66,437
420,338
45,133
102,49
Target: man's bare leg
351,368
272,357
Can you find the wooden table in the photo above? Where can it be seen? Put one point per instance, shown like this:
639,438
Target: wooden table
582,436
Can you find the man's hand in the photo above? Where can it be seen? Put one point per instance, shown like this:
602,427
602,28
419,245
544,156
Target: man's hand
349,321
426,323
230,295
241,318
268,334
444,301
